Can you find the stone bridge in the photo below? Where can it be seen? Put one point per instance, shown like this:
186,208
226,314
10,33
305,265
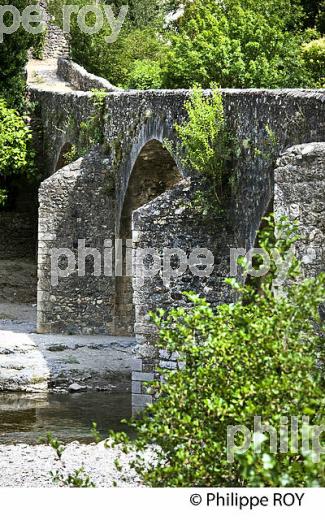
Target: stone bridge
132,190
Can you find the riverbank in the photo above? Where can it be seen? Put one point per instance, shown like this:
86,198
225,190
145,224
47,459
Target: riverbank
31,466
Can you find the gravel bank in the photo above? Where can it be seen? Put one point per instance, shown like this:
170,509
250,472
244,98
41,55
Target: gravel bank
30,466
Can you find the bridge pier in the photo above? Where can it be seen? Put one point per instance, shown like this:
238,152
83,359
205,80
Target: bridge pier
93,200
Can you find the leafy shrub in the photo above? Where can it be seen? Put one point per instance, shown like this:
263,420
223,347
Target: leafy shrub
14,136
205,147
314,57
144,75
115,61
256,357
15,153
234,43
133,46
13,57
237,43
137,41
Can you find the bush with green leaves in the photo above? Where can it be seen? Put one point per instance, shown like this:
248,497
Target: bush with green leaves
205,148
234,43
16,156
137,42
13,58
134,46
314,58
237,43
256,357
144,75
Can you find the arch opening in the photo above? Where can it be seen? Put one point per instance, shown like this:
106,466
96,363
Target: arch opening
18,250
154,173
64,157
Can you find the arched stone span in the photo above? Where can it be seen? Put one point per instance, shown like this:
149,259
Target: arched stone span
154,172
85,200
133,118
153,130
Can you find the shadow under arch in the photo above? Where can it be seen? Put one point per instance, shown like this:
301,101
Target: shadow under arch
64,158
154,172
250,280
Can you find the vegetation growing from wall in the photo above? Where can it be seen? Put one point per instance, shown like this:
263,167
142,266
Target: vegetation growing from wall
90,130
256,357
205,148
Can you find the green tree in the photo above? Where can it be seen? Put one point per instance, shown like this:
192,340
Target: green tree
15,152
237,43
314,58
256,357
137,43
13,58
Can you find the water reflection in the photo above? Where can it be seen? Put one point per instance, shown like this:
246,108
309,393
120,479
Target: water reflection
27,417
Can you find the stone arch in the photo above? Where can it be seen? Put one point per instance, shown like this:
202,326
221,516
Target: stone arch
154,172
153,129
63,159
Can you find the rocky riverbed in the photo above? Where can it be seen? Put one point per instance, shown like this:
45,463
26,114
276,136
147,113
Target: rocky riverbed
31,365
31,466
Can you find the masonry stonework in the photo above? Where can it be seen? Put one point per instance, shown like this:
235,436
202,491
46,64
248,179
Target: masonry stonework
126,189
56,43
299,194
80,79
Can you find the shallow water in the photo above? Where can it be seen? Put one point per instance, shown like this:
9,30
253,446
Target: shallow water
25,418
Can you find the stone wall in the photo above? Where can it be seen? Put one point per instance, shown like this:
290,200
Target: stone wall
18,243
75,204
171,224
90,200
56,44
18,249
300,194
56,123
18,236
80,79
